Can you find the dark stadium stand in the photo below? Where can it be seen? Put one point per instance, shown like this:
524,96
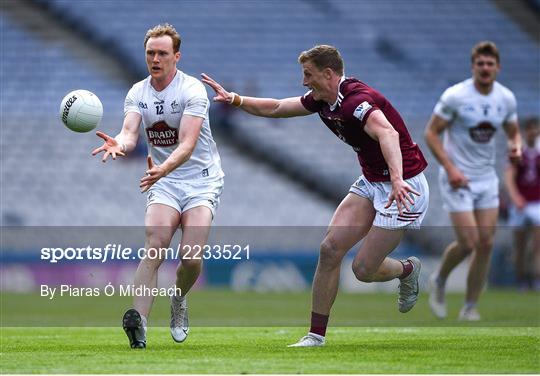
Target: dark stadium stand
398,47
534,4
411,51
63,185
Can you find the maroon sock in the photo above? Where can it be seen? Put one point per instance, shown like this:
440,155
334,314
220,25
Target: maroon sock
407,268
318,323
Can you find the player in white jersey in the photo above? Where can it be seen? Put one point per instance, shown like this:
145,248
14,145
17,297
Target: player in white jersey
470,114
184,178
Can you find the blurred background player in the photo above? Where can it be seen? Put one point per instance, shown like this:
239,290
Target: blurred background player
380,204
522,180
186,180
470,113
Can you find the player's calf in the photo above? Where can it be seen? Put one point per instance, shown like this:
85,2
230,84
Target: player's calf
437,299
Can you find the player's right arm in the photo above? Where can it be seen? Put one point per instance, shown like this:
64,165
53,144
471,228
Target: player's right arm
432,134
265,107
124,142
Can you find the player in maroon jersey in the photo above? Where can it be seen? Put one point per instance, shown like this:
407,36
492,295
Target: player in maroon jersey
522,181
381,204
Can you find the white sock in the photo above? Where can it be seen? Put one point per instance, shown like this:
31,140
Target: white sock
318,336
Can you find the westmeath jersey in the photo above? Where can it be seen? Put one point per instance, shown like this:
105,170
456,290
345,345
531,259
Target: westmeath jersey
162,112
528,174
347,118
474,119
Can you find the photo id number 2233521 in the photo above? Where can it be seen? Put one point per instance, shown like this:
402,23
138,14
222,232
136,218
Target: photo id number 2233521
215,252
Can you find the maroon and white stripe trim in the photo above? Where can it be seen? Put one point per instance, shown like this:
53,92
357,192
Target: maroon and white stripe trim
408,216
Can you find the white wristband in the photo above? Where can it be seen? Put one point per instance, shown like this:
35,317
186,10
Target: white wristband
236,100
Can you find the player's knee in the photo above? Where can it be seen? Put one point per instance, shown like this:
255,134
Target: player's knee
191,264
330,255
151,263
484,246
467,246
362,272
157,237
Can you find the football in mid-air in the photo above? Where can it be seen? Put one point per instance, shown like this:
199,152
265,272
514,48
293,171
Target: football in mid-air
81,111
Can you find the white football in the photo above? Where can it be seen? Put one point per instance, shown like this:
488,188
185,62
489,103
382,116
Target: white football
81,111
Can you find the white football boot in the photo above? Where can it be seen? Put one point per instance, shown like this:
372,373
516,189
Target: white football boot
469,314
179,318
311,340
408,287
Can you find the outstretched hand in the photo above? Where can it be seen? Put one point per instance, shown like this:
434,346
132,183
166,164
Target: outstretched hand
401,194
222,95
110,146
153,174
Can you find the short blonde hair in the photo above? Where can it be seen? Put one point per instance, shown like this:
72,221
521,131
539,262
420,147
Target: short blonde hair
161,30
323,56
485,48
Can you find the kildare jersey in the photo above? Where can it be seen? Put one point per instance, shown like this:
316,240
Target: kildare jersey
162,112
347,118
474,119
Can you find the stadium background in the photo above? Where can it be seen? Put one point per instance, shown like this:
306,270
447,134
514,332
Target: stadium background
284,178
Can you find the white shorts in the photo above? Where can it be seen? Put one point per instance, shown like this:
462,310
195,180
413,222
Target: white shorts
185,195
482,193
390,218
529,215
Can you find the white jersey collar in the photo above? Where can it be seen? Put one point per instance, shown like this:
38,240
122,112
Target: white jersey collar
176,75
339,95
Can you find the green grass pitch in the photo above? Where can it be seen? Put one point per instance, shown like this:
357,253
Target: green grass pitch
248,333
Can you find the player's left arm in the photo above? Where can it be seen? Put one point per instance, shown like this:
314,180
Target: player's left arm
190,129
380,129
514,140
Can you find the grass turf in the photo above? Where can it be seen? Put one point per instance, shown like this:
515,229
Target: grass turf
225,308
263,350
248,333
